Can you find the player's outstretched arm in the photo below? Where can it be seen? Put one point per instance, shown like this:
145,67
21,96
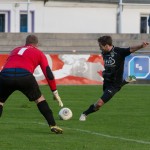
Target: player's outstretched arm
135,48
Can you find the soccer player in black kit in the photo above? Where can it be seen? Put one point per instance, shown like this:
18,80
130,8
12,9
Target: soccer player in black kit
114,58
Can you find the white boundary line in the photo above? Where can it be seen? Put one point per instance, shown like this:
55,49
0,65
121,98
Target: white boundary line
112,137
101,134
105,135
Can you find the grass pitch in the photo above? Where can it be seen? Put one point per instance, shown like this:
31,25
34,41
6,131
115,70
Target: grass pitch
121,124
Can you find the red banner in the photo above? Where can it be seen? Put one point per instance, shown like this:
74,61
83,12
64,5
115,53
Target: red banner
70,69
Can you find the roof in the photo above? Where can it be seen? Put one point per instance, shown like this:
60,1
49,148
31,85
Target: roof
107,1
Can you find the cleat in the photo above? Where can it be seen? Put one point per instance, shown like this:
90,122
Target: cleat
130,79
82,117
56,129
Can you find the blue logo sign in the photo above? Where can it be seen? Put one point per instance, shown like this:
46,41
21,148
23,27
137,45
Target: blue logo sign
139,66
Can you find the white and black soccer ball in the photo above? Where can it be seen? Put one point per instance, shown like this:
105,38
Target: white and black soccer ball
65,114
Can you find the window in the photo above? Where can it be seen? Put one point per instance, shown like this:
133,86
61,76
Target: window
24,25
144,27
4,21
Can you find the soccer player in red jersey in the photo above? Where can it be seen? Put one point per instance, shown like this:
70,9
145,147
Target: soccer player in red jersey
17,74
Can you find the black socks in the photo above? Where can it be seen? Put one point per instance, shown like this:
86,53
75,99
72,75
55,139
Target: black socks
1,110
46,112
90,110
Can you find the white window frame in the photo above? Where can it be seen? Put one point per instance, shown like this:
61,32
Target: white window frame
147,16
7,21
31,20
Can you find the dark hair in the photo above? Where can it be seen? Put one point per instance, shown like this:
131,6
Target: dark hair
31,39
104,40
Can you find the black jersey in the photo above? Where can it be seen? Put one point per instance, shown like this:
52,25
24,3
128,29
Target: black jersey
114,64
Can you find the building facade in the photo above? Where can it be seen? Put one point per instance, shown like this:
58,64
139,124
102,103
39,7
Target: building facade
75,16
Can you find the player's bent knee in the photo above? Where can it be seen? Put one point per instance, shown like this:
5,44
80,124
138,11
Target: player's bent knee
1,103
99,104
40,99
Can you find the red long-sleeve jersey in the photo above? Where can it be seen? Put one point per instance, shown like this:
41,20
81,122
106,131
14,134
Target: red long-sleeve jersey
29,57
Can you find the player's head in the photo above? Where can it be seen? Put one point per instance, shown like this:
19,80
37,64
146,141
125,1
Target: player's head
31,39
105,43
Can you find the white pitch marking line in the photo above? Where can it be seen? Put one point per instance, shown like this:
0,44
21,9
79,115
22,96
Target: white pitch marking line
112,137
106,135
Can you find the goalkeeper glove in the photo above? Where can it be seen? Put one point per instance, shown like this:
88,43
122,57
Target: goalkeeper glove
57,98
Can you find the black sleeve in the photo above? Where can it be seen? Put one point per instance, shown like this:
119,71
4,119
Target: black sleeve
49,73
124,51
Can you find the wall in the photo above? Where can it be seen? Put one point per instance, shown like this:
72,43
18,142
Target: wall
131,17
64,17
67,42
81,20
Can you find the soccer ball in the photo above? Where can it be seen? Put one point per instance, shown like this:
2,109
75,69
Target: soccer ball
65,114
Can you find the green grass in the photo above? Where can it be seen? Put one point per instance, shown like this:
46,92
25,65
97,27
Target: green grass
121,124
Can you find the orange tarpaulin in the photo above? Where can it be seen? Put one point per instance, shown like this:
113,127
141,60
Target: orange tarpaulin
70,68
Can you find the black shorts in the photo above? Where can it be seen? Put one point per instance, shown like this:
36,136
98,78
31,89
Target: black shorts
26,84
109,90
